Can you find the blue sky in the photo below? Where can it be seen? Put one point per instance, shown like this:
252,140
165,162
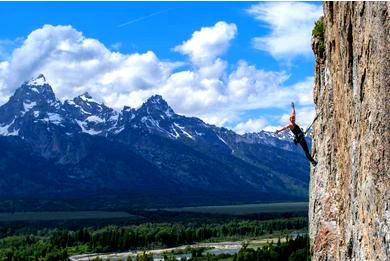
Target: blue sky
233,64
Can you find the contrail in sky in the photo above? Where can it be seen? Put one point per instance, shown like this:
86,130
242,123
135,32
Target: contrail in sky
143,18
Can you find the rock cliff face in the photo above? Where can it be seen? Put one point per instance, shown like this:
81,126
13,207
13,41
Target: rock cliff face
350,187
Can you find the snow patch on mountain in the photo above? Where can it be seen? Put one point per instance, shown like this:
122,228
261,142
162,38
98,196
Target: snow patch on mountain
53,118
95,119
14,133
175,135
4,130
56,104
87,98
70,102
199,133
34,89
114,117
119,130
183,130
151,124
85,130
222,139
169,112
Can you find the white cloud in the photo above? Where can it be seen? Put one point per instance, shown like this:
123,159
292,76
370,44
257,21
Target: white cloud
291,24
304,91
259,88
208,43
73,64
251,125
220,100
272,128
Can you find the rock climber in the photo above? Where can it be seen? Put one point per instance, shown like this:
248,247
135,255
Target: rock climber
299,136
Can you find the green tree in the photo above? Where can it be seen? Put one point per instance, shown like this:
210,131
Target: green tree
144,257
299,255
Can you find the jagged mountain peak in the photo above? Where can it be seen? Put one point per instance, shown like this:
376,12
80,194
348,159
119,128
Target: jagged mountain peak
85,98
128,109
157,99
33,102
90,145
128,112
88,105
35,94
156,104
38,81
36,89
91,116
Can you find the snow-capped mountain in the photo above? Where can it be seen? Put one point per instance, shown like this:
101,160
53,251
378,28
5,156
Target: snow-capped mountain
154,116
157,117
144,149
91,116
34,101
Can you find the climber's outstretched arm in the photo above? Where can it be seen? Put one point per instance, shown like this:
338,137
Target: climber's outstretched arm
289,126
292,110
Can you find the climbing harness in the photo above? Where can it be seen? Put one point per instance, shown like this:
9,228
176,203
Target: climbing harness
298,138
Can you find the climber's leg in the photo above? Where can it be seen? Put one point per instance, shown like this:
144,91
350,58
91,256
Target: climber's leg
306,150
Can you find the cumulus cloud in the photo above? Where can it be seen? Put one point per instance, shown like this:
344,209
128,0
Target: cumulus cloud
74,64
259,88
279,97
208,43
304,91
251,125
212,90
220,100
272,128
290,23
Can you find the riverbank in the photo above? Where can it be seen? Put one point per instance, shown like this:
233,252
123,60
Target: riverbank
228,247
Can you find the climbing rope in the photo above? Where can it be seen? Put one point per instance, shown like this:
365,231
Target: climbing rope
308,128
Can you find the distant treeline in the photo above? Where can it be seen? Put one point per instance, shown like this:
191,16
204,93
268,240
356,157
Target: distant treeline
58,244
70,221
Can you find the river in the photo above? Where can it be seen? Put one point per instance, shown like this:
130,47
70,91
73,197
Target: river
215,248
229,247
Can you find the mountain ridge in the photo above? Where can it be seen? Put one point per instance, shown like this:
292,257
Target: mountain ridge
160,150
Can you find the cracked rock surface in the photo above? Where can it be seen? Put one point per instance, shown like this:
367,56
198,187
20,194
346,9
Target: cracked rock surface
349,208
